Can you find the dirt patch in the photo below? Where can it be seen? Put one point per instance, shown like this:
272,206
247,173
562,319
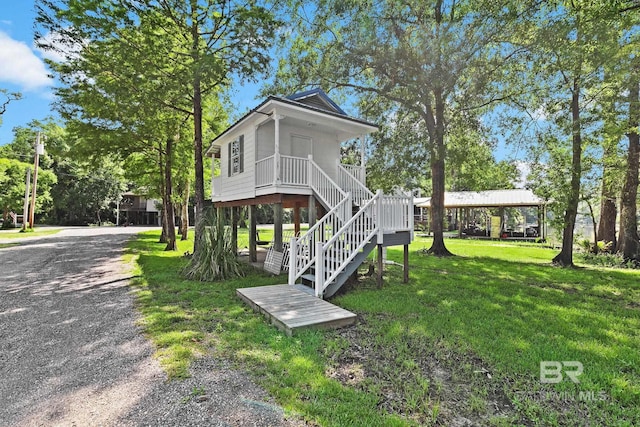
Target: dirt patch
423,381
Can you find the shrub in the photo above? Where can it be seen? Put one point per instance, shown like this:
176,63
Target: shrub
606,260
587,246
216,257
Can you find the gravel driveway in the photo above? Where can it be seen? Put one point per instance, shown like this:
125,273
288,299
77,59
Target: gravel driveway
71,353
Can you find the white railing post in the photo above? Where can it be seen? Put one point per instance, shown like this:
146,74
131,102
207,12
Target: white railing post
410,213
293,262
310,171
276,155
379,217
319,282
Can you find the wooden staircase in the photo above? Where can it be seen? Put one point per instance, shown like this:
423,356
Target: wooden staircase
356,222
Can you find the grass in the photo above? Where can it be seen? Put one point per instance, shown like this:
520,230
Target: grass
462,340
16,234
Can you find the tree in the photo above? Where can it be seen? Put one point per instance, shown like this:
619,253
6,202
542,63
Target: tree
611,177
12,187
431,58
5,98
629,244
81,191
203,44
570,42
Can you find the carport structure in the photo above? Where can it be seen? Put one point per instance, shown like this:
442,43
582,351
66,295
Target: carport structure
465,201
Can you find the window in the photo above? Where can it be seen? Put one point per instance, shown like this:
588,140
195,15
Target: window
236,156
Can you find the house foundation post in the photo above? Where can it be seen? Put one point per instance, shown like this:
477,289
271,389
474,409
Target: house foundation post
234,229
253,256
219,217
277,226
406,264
312,211
296,219
380,266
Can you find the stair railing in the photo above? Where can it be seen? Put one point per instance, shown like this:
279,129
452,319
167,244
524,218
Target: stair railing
358,172
302,250
337,252
329,193
348,182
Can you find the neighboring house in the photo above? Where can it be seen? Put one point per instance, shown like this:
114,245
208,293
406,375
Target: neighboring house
136,209
286,153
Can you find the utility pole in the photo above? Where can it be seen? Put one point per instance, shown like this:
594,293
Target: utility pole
39,150
25,209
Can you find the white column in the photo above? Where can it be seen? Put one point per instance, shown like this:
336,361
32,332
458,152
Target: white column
276,155
213,175
363,162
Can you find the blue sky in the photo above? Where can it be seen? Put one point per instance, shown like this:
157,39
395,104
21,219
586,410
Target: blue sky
22,69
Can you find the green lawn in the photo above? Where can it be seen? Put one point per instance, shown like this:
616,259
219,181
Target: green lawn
464,339
16,234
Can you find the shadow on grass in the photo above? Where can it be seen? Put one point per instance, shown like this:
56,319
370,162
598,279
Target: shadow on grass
483,311
514,315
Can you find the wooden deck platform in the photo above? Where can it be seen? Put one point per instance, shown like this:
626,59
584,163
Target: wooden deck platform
291,309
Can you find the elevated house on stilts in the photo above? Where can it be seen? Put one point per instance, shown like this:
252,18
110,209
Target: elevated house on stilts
286,153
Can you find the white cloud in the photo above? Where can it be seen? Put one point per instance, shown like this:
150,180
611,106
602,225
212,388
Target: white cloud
524,169
56,55
20,66
540,114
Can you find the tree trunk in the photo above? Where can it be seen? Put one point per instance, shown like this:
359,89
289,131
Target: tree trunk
197,121
438,247
171,216
184,213
595,229
607,223
165,226
628,244
565,257
608,208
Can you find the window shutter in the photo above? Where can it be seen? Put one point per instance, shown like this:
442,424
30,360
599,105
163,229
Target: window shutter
229,161
241,153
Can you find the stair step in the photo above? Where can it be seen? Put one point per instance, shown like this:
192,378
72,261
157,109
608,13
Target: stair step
309,277
304,288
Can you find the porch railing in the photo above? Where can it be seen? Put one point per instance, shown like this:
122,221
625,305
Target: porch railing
396,213
264,171
294,170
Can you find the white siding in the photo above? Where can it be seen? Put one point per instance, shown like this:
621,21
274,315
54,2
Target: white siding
326,133
325,147
242,185
266,140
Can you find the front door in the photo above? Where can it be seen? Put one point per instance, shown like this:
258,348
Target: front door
300,146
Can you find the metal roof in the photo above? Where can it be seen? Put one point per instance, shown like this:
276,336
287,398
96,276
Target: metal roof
485,199
317,97
339,113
